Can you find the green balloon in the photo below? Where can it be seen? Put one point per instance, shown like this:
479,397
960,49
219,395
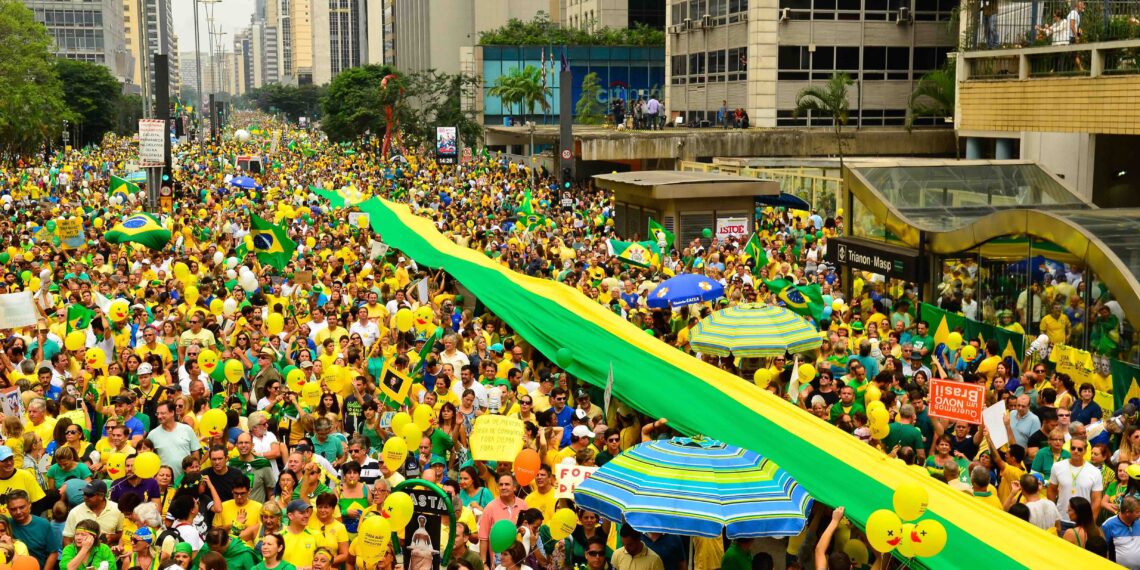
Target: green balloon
25,276
503,535
707,233
5,258
51,225
55,241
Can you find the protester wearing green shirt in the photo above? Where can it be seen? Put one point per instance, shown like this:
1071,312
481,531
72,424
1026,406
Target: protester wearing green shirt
903,433
922,342
86,551
738,556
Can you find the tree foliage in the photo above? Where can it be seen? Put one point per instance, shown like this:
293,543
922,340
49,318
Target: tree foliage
829,100
292,101
541,31
436,99
522,87
588,111
128,111
933,96
32,108
354,103
92,94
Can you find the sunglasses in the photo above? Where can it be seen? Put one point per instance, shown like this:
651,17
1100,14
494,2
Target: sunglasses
595,552
71,432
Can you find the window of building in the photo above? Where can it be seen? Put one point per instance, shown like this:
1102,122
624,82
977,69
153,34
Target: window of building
716,65
797,9
737,64
679,66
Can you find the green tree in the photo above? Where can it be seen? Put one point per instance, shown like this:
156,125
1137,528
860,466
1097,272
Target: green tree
523,87
540,31
354,103
92,94
933,96
32,108
506,88
436,99
292,101
829,100
588,111
128,111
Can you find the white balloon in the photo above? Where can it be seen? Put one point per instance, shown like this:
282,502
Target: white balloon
249,283
218,258
229,306
231,263
241,135
231,275
243,270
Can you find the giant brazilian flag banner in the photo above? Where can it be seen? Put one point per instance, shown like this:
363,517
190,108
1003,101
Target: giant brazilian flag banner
699,398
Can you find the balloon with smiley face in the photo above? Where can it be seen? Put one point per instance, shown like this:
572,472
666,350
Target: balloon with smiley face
208,361
424,319
884,530
95,358
116,465
119,310
212,424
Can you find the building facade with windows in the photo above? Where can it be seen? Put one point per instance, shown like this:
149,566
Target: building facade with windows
88,31
757,55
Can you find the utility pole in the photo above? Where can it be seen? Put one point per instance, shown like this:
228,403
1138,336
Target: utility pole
144,55
198,64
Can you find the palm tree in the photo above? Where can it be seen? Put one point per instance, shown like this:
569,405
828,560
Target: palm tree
933,96
507,90
531,89
828,100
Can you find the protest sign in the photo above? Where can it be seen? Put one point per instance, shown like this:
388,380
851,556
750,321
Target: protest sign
70,231
10,402
496,438
17,310
569,477
957,401
994,417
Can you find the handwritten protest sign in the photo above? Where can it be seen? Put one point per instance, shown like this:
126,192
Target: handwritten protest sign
496,438
17,310
569,477
957,401
70,231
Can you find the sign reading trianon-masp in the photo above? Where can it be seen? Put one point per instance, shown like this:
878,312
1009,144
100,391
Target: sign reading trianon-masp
865,255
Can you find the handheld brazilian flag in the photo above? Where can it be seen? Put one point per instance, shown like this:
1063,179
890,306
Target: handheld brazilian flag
78,317
659,234
123,186
143,229
756,251
806,300
271,244
639,253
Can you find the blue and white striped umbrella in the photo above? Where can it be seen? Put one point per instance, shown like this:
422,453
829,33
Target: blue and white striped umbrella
697,487
752,330
685,289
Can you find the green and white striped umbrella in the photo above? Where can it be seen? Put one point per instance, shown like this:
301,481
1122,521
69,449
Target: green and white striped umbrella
754,330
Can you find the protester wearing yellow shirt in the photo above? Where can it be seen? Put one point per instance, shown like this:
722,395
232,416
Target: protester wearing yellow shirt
1056,325
300,543
240,515
541,496
330,532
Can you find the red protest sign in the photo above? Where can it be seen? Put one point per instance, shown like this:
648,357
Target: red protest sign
957,401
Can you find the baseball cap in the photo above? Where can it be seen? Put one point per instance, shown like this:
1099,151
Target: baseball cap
121,399
582,431
580,415
306,364
268,353
496,348
145,368
303,448
144,534
5,452
297,506
437,460
582,394
95,487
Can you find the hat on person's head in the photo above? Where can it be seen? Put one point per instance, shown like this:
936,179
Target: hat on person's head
268,353
184,548
145,368
5,452
306,364
582,431
297,506
582,393
95,487
437,460
121,399
863,433
498,348
580,415
144,534
600,430
857,326
302,447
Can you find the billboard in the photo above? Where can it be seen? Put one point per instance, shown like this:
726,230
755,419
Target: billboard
446,145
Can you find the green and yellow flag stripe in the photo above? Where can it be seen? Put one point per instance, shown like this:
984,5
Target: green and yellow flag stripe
698,398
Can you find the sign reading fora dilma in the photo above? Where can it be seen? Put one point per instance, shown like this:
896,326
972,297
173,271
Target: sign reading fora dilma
865,255
446,145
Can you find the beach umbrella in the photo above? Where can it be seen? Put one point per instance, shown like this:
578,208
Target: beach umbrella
244,182
753,330
685,289
696,487
784,199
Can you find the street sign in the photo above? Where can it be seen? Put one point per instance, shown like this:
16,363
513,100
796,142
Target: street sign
566,154
152,137
866,255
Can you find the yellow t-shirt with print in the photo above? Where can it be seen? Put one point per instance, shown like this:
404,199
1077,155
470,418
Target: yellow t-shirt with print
230,511
329,535
299,547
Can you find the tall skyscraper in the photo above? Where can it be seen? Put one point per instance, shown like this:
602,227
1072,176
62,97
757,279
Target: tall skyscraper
158,29
433,35
88,31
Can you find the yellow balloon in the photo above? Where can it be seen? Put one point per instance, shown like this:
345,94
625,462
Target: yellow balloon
954,341
28,256
880,431
876,405
213,423
276,323
929,538
395,452
404,320
119,310
97,222
857,551
371,542
400,420
879,416
181,271
564,523
217,306
762,377
807,372
873,394
906,546
884,530
310,242
95,358
398,506
75,340
191,294
412,434
969,353
116,465
423,416
311,394
234,370
910,501
113,386
207,360
147,464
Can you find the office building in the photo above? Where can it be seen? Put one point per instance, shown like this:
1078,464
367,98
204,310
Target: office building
439,34
757,55
295,32
340,37
158,29
88,31
593,14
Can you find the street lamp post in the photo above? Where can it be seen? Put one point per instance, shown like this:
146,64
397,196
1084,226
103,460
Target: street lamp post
66,135
530,128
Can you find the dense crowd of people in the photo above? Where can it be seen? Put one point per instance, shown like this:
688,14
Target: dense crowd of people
288,477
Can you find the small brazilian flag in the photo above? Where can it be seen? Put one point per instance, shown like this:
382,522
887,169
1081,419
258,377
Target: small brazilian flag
806,300
143,229
123,186
270,243
78,317
659,233
756,251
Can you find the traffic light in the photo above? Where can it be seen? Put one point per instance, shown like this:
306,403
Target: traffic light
567,178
